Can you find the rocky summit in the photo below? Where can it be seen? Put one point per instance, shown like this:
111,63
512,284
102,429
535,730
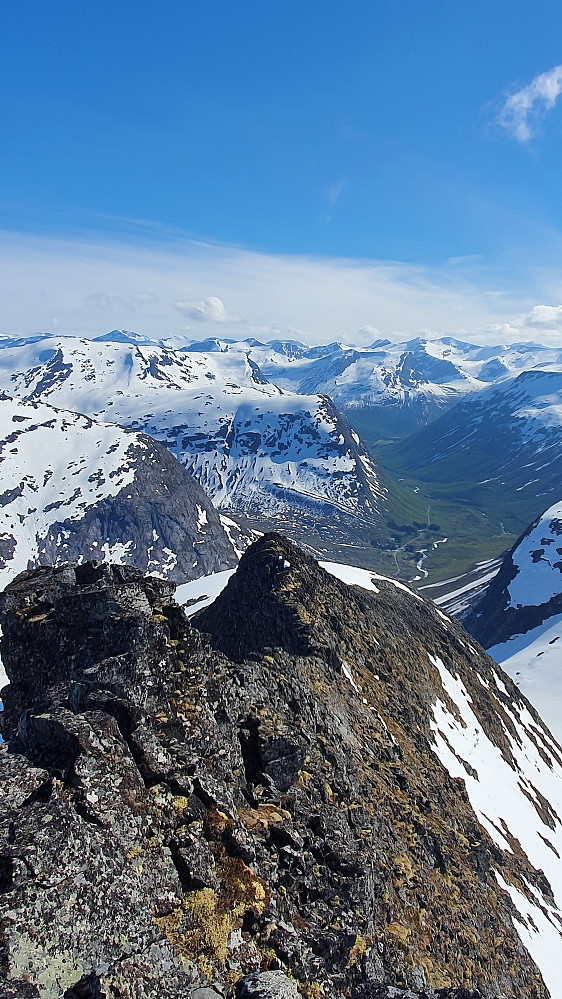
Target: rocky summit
260,803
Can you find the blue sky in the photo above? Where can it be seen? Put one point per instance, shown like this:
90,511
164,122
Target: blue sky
421,137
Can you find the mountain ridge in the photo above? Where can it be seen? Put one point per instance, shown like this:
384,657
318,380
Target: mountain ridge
253,447
292,808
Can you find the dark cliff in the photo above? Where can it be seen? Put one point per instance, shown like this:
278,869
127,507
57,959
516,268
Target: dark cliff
495,619
179,811
162,519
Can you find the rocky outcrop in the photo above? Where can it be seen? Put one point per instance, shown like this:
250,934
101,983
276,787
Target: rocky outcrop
74,489
527,590
259,812
160,522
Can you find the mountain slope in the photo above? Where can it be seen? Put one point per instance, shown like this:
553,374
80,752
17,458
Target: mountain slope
252,447
519,618
499,451
284,460
358,796
527,590
73,489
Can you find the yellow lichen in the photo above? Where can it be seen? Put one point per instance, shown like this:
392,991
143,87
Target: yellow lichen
260,818
399,931
403,869
360,947
199,929
313,990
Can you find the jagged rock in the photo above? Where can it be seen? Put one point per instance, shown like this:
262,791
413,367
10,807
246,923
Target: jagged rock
173,820
389,992
267,985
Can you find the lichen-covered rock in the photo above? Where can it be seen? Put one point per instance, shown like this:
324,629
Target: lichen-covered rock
267,985
173,820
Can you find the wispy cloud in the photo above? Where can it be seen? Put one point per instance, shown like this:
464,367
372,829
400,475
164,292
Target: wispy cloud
522,111
92,286
334,193
135,302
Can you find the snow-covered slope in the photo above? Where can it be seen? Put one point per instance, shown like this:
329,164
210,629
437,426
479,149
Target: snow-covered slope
252,446
519,619
410,382
533,660
516,792
73,489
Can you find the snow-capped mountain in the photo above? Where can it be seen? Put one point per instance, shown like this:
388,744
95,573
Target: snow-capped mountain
519,619
404,385
230,413
419,378
74,489
252,446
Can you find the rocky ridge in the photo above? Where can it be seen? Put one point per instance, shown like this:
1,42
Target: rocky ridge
183,815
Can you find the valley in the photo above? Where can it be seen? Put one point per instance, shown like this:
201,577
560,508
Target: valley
109,448
398,476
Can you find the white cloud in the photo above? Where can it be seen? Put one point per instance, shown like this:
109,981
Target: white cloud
305,298
504,332
545,317
334,193
522,110
209,310
542,322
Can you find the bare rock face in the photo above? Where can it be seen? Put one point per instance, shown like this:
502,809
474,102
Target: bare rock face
183,816
162,521
267,985
527,589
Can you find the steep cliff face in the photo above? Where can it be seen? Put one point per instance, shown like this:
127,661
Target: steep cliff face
176,815
75,489
527,590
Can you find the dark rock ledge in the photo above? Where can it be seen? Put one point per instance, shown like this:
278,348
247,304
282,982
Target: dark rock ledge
176,823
